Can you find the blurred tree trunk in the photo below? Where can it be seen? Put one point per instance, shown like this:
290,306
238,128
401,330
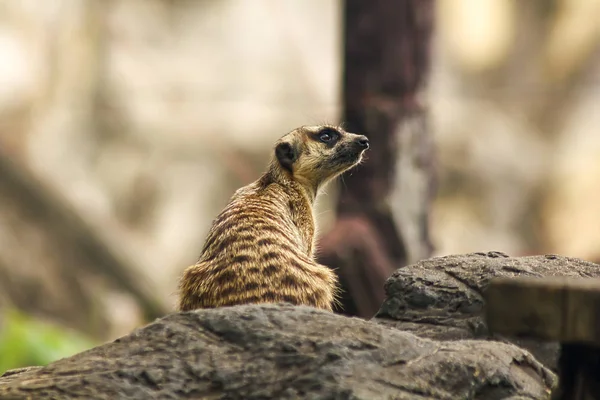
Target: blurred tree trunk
383,206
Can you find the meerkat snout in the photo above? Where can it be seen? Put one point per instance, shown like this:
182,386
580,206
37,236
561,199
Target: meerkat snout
354,148
363,141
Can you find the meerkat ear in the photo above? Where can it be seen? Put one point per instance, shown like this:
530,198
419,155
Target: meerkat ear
286,155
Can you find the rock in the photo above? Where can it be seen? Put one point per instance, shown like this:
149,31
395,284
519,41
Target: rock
441,298
283,352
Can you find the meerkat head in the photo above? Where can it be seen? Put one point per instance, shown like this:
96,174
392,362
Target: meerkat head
314,155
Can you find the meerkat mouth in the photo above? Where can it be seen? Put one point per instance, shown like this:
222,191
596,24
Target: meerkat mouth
349,156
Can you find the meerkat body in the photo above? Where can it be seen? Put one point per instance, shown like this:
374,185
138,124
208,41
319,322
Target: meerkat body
260,248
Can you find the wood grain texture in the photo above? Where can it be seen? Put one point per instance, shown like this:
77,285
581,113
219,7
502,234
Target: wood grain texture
564,309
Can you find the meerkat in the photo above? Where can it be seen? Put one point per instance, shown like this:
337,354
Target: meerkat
260,248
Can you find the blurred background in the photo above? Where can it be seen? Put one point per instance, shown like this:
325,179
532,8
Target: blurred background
126,125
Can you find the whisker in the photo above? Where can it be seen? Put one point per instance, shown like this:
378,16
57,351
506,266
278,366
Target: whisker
344,182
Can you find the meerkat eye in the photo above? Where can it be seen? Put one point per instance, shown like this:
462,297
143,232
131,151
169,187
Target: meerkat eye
328,135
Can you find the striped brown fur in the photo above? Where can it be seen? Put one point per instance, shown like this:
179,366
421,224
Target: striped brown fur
260,248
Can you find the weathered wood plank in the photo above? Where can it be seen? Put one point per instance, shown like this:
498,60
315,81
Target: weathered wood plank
554,308
551,308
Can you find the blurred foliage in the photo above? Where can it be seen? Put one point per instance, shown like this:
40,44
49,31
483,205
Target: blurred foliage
26,341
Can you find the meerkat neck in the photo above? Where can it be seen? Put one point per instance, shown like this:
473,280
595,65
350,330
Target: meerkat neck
285,178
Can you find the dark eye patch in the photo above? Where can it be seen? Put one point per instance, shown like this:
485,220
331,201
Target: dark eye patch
328,136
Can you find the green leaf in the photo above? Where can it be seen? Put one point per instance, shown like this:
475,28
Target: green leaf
26,341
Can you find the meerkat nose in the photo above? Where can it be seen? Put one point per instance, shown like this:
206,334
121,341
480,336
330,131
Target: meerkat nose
363,142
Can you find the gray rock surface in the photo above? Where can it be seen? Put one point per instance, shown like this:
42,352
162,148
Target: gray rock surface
284,352
441,297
